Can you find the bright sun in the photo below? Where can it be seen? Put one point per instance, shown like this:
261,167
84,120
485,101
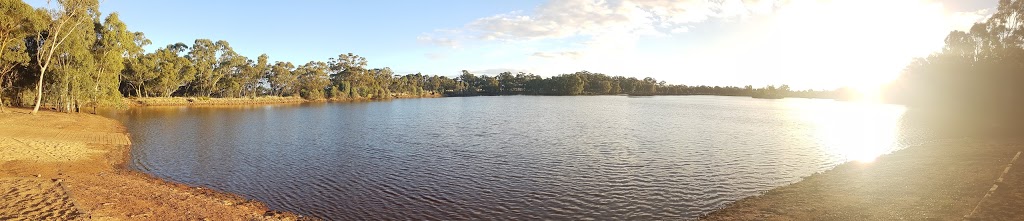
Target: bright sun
860,44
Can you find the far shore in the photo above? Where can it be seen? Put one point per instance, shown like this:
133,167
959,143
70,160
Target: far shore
58,166
936,181
204,101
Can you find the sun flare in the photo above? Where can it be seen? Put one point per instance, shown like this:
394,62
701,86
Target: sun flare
828,42
856,131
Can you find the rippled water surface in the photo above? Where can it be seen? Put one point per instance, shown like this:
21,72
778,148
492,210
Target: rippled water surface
514,157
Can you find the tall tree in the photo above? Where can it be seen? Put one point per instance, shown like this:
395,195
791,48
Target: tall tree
17,21
70,83
229,65
204,60
282,78
348,71
139,68
69,17
313,80
172,70
115,42
253,73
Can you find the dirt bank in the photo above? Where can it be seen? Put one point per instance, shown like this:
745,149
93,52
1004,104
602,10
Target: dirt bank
938,181
56,166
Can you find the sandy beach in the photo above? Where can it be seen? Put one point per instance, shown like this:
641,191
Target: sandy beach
56,166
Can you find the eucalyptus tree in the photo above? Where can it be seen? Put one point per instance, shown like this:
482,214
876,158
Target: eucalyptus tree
282,78
172,70
229,65
313,80
115,41
253,74
348,72
64,21
17,21
85,68
71,80
139,67
378,82
203,56
490,84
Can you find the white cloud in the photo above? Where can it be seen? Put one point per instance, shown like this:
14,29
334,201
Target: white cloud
496,71
560,54
804,43
964,20
559,19
443,41
435,56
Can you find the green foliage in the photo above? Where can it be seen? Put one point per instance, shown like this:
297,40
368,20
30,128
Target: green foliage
172,70
17,21
313,80
282,78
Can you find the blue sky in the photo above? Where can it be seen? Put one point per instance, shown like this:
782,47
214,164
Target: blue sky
818,44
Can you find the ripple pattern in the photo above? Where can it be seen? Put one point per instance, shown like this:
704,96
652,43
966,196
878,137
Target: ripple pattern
505,158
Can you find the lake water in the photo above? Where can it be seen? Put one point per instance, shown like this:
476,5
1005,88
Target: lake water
510,157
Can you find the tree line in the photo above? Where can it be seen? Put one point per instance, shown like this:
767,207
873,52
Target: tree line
978,72
71,55
587,83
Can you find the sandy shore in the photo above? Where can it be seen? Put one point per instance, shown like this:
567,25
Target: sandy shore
938,181
56,166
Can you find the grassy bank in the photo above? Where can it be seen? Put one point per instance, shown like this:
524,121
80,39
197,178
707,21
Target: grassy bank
56,166
938,181
201,101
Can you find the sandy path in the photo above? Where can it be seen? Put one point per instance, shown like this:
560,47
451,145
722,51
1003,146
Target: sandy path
35,199
57,166
939,181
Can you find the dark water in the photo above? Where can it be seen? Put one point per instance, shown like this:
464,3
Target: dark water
518,157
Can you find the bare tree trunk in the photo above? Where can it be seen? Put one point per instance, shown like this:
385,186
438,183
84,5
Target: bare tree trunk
39,91
1,96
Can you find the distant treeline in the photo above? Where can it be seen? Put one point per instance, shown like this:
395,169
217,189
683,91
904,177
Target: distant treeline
977,73
587,83
70,56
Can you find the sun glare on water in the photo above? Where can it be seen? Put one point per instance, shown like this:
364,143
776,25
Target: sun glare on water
868,94
855,131
871,131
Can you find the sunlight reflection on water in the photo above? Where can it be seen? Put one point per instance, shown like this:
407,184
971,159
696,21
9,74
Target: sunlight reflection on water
855,131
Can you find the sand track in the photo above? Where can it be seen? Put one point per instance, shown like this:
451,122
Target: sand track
35,199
